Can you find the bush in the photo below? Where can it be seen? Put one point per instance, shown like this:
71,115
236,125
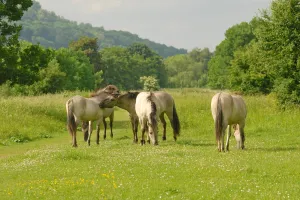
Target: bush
150,83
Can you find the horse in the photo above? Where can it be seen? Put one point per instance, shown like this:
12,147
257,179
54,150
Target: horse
163,103
146,110
127,102
89,109
228,110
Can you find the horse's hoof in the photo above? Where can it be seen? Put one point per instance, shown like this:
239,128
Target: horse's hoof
148,141
104,137
164,138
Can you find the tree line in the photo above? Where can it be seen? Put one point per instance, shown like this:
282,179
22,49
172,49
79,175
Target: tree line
256,57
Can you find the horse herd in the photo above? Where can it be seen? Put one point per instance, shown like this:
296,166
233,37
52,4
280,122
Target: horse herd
146,109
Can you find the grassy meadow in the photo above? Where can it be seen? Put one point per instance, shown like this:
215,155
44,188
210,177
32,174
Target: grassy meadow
38,162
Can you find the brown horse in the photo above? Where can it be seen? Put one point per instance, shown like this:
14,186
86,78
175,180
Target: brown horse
228,110
127,102
89,109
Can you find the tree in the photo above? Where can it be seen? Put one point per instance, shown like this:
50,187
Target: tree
236,37
10,12
90,48
279,40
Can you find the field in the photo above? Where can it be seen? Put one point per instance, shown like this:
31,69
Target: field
38,162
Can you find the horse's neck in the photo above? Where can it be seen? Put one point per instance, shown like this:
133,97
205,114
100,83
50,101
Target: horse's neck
127,105
96,99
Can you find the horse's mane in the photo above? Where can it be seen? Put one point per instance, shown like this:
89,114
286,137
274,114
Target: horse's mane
99,90
132,95
153,109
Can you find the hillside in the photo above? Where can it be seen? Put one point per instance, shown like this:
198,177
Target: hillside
50,30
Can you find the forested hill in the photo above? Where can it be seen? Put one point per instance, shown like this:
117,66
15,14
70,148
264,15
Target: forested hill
50,30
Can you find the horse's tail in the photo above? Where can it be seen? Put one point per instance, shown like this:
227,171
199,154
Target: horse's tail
219,119
71,124
152,119
175,123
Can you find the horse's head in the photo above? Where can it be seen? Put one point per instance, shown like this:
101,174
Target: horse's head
113,90
107,101
152,131
107,97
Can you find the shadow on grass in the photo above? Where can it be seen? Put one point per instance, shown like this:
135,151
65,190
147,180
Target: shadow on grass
275,149
195,143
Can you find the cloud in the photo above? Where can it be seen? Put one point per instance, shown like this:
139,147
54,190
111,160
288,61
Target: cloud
94,6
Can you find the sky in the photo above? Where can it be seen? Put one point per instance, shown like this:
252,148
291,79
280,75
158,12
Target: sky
184,24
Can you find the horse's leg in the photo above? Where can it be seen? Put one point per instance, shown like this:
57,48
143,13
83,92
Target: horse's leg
111,120
132,126
170,116
143,129
242,133
105,125
98,130
221,140
228,137
148,133
90,132
74,141
163,121
85,130
136,125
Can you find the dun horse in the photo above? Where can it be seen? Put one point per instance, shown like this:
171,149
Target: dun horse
228,110
127,102
89,109
160,103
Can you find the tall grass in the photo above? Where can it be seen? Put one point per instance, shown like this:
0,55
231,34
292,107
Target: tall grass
190,168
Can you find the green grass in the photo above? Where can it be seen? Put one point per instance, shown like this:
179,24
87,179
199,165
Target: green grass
191,168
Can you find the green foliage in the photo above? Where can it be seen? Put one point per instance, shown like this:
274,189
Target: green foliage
279,41
236,37
150,83
262,56
79,73
188,70
90,48
124,66
10,12
50,30
248,72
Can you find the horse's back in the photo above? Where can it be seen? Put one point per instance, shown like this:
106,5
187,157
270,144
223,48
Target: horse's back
223,101
233,107
165,101
239,109
86,109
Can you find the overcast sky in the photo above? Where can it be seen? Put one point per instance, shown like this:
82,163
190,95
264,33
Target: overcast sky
179,23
